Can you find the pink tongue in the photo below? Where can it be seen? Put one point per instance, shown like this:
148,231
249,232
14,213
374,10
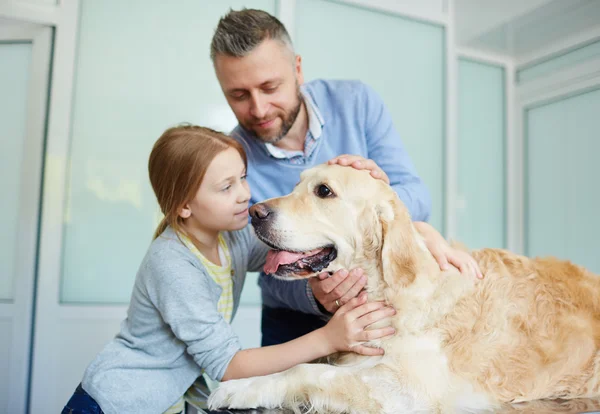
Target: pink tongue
281,257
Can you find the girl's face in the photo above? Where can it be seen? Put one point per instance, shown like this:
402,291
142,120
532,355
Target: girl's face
221,202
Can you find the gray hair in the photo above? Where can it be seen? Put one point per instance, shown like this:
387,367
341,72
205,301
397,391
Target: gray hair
239,32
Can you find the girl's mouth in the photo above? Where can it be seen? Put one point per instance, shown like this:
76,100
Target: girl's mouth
243,212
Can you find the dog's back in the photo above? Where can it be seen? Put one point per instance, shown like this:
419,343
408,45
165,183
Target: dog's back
529,330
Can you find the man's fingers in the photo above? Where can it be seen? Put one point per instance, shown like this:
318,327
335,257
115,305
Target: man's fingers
344,159
330,283
443,262
364,164
323,276
345,285
440,257
354,290
477,270
361,163
462,263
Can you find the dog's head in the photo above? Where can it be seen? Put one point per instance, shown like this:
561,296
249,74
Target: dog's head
336,217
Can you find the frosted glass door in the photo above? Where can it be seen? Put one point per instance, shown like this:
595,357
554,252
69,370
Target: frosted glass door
562,192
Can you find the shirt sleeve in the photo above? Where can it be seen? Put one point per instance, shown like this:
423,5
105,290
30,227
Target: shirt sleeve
386,148
186,298
296,294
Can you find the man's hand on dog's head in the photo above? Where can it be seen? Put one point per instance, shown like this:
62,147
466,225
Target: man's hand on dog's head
361,163
341,287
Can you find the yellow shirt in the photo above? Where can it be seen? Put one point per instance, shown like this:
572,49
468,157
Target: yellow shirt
222,276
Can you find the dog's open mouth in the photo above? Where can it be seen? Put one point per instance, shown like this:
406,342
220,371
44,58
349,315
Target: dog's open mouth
281,262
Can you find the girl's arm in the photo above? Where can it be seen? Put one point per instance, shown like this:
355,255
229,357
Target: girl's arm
186,299
344,332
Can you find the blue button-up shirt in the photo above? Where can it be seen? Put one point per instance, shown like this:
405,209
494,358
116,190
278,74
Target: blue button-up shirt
345,117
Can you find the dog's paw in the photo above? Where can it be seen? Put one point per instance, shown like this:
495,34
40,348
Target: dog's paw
225,393
243,393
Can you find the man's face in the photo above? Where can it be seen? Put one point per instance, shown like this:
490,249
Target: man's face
263,89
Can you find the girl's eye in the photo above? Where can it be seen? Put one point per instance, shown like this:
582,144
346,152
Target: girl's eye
244,177
226,188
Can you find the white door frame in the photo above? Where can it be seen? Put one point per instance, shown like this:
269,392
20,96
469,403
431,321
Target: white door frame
20,309
507,63
52,319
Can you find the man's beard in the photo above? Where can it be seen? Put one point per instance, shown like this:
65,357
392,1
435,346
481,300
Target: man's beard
286,125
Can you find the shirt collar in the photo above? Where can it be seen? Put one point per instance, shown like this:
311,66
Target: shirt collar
315,127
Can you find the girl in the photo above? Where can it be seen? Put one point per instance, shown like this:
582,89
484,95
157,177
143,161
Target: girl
188,288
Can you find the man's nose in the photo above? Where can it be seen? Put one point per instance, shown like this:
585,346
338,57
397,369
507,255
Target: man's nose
258,108
260,212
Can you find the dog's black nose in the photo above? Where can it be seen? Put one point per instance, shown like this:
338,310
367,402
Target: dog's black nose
260,211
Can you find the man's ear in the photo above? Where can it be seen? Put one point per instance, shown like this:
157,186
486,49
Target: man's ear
399,246
298,69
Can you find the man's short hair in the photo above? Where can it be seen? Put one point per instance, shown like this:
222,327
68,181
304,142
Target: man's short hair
239,32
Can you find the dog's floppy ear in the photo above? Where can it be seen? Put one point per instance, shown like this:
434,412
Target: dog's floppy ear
398,248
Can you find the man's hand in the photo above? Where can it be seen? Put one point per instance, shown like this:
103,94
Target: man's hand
361,163
444,253
341,287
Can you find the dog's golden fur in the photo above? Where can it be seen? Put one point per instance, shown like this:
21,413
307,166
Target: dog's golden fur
529,330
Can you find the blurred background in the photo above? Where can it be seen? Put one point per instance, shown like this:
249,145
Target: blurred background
497,102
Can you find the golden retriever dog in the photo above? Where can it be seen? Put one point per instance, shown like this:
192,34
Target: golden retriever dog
529,330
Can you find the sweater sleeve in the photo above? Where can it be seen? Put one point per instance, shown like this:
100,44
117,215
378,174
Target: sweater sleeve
186,298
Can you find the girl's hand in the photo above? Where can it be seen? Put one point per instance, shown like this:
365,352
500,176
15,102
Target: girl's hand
346,329
444,254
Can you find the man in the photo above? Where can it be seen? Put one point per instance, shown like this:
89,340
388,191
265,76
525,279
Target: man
287,126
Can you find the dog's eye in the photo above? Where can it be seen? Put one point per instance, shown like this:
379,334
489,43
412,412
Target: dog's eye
323,191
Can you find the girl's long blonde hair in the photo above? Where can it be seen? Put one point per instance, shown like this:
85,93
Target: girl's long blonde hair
177,164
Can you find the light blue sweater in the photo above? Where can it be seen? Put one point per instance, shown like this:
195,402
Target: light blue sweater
173,329
353,120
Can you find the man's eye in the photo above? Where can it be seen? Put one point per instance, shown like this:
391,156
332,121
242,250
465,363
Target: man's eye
322,191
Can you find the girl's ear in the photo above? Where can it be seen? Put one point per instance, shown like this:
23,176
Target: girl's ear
185,211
